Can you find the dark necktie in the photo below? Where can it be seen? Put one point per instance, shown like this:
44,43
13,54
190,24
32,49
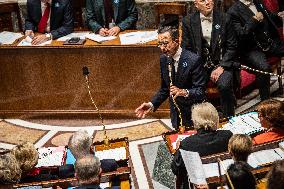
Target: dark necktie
43,21
108,12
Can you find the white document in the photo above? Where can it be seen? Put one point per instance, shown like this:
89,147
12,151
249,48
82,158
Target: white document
81,35
99,38
212,169
115,153
263,157
138,37
193,167
8,38
104,185
51,156
28,42
244,124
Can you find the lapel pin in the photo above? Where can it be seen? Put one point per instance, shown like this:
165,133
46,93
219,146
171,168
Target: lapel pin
217,26
57,4
184,64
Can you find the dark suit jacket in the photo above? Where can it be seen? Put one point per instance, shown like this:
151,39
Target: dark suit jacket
223,38
248,29
205,142
61,17
125,14
190,75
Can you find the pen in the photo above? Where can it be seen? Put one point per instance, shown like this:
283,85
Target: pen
277,153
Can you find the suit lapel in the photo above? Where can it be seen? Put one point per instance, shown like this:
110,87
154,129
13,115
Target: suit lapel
115,4
216,30
100,3
38,10
52,10
245,12
195,25
182,67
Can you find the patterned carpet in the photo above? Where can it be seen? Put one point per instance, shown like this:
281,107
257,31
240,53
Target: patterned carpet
149,156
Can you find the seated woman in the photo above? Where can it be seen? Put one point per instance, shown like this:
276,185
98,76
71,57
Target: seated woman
271,115
241,176
240,147
206,141
10,171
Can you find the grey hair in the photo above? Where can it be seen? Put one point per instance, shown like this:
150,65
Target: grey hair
205,116
88,170
80,143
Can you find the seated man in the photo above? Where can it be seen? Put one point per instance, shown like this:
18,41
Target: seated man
206,141
257,33
88,171
209,33
240,147
80,146
109,17
51,18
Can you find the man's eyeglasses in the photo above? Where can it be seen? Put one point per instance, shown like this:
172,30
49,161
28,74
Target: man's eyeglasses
163,43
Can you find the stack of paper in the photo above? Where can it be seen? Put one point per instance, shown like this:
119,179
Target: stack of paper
51,156
81,35
99,38
116,153
28,42
138,37
244,124
9,38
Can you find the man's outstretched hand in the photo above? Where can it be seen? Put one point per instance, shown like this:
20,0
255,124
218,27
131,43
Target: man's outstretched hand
143,110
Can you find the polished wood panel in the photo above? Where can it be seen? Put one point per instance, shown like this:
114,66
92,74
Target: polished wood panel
49,79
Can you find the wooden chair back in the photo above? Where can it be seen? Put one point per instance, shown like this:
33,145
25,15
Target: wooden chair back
79,22
6,20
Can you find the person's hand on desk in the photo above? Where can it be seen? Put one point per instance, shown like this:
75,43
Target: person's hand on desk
40,39
113,31
103,32
29,33
143,110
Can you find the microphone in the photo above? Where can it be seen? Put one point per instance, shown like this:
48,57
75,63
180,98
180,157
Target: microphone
85,71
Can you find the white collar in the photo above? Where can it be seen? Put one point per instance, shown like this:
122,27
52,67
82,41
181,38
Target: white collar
247,2
177,55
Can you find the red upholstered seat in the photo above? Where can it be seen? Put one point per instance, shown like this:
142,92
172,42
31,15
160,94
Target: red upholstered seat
271,5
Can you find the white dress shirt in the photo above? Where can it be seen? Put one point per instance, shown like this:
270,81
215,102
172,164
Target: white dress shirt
206,26
250,5
176,58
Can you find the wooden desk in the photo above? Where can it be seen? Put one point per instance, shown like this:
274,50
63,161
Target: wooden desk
49,80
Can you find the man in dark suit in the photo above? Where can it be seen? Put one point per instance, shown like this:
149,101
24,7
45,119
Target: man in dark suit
257,34
53,18
88,173
206,141
182,79
208,32
109,17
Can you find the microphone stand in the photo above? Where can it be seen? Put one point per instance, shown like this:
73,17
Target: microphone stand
220,164
86,73
181,127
